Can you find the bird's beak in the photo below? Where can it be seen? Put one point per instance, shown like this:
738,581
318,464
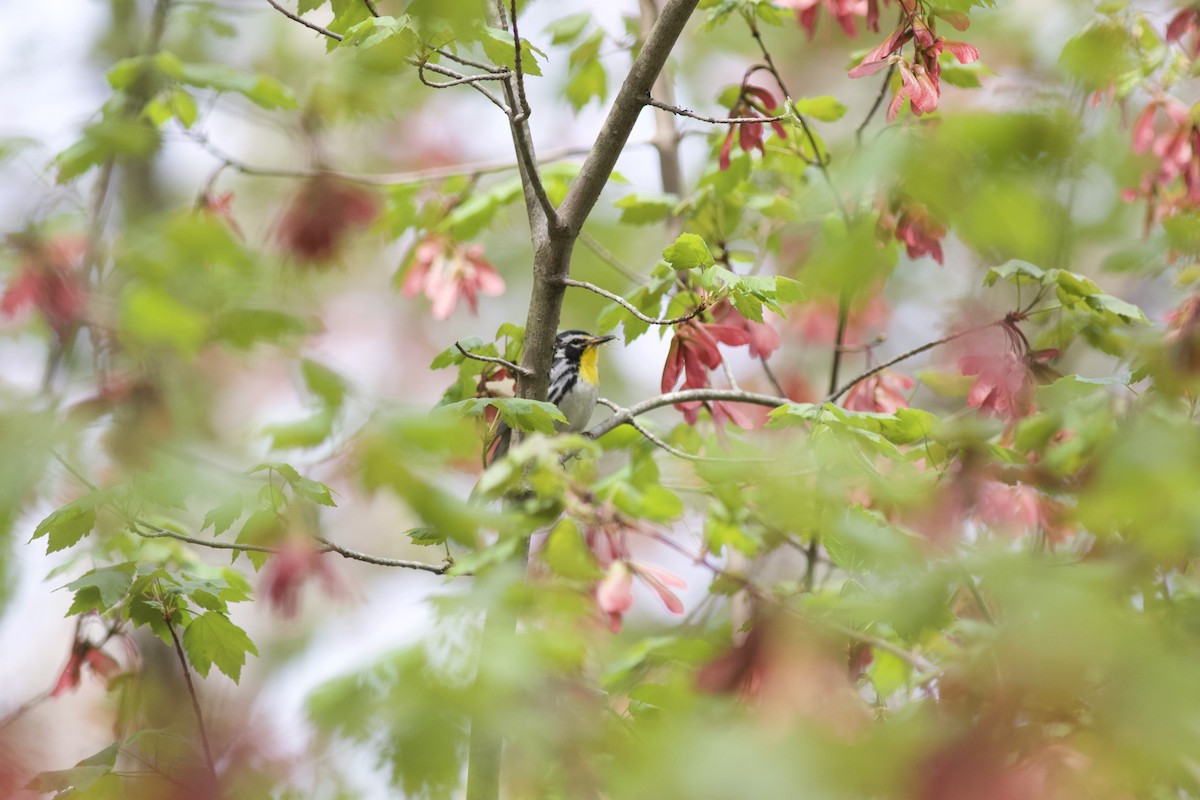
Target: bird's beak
596,341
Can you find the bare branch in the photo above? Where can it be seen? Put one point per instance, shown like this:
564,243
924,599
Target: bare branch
522,111
370,4
835,394
465,79
655,440
147,531
609,258
683,112
468,62
456,76
516,369
337,37
514,90
354,555
631,308
927,669
883,87
381,179
191,688
685,396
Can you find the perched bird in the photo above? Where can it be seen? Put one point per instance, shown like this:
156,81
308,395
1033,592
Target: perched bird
574,384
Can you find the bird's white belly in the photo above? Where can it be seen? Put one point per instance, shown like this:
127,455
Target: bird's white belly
578,406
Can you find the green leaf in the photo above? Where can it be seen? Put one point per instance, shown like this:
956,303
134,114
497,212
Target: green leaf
526,415
324,383
645,209
314,491
245,327
110,138
224,515
425,536
587,82
262,90
1015,272
825,108
212,639
377,30
568,28
688,252
501,49
568,555
101,588
307,432
150,316
66,526
1099,56
1183,232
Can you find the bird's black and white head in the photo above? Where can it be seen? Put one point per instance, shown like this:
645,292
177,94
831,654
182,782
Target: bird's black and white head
573,344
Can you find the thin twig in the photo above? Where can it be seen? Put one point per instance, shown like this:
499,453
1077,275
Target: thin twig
329,547
312,26
371,7
381,179
147,531
517,369
28,705
468,62
519,124
973,588
449,73
654,439
887,79
465,79
607,256
685,396
834,395
683,112
632,309
771,377
187,677
839,339
523,112
926,668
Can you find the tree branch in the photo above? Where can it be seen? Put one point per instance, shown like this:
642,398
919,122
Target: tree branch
883,87
312,26
381,179
631,308
607,256
836,393
685,396
683,112
516,369
552,252
624,112
187,677
655,440
531,177
465,79
148,531
458,77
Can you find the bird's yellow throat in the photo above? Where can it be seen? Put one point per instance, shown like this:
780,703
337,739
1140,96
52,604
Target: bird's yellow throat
587,365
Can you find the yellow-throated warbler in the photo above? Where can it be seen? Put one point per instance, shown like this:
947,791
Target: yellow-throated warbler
574,384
